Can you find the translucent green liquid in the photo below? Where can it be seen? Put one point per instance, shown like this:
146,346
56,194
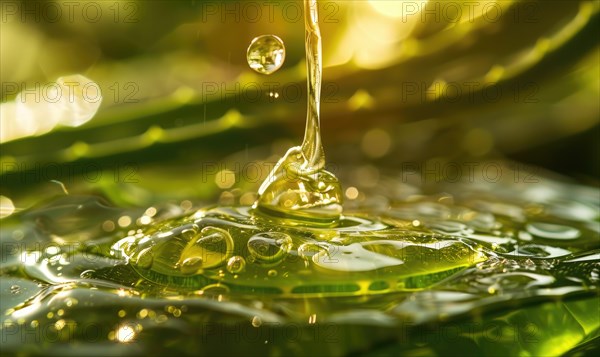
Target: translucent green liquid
424,274
358,257
295,242
483,269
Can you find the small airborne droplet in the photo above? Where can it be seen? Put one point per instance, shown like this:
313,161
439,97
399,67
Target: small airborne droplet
266,54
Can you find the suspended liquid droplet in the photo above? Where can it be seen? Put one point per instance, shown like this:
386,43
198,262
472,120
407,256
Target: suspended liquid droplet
266,54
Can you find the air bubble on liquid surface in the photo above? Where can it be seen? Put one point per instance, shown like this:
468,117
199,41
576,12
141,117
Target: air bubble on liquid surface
269,247
210,248
236,264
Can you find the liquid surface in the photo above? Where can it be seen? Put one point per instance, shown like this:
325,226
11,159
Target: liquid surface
490,268
267,258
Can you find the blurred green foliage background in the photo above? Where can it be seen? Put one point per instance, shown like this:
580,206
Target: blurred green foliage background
404,82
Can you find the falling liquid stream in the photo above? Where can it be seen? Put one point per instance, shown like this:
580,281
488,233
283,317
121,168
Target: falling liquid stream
299,188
